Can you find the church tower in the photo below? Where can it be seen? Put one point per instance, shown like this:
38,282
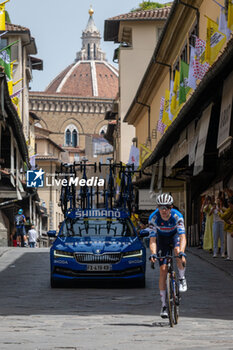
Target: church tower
91,42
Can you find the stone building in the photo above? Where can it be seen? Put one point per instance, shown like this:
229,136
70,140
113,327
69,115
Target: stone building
74,104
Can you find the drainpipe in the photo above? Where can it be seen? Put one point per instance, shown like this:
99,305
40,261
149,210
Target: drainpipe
148,107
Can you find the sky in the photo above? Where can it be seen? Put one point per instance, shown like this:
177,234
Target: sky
57,27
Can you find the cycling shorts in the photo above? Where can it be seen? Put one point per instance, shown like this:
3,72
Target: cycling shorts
20,231
164,245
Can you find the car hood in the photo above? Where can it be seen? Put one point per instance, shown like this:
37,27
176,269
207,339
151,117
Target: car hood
97,245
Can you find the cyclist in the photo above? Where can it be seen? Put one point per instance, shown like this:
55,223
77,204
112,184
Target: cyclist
166,227
20,228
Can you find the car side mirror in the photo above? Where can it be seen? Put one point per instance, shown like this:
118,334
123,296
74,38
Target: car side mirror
143,233
52,233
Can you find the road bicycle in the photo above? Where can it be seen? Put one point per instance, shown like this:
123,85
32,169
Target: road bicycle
88,197
172,288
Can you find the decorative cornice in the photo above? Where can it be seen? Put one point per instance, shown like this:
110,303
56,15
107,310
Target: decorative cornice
62,104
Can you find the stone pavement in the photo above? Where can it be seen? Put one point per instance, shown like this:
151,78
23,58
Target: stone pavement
3,250
35,317
222,264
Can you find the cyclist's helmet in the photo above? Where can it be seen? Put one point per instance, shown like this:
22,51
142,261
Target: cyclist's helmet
164,199
20,211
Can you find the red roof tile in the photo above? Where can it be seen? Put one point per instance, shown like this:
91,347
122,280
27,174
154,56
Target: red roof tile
160,13
45,157
107,81
83,80
16,28
56,81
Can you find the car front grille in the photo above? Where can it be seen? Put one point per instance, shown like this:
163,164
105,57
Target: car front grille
106,258
122,273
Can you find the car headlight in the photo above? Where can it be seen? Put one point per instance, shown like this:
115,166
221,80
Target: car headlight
132,254
62,254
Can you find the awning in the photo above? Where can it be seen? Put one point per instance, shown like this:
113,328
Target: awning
203,131
224,129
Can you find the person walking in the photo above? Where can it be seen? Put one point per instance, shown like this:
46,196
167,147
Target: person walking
14,237
20,228
32,237
227,217
208,234
218,228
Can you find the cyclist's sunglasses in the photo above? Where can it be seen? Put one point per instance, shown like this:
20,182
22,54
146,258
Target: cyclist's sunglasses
165,207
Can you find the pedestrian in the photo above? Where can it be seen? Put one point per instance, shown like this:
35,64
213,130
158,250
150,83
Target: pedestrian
203,221
227,217
20,228
32,237
208,234
14,237
218,228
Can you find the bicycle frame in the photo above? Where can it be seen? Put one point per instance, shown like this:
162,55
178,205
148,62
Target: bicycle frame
172,295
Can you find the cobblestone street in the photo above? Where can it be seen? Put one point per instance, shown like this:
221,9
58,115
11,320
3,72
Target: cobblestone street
33,316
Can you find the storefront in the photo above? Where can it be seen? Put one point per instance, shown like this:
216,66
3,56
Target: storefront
195,155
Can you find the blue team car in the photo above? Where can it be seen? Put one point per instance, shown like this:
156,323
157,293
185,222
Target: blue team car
97,244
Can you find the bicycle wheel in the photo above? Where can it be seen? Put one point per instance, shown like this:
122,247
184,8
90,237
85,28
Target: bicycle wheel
170,300
176,299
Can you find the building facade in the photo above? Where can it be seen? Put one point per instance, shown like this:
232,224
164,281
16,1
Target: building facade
74,104
133,55
16,131
193,155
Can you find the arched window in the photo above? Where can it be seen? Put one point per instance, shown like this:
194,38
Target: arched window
103,130
71,136
68,137
74,138
88,52
94,51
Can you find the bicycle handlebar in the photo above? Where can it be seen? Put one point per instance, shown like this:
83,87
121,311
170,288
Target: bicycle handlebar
155,256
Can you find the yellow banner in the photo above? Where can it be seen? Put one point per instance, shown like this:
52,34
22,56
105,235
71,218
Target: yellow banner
214,41
144,154
175,96
3,15
230,15
165,119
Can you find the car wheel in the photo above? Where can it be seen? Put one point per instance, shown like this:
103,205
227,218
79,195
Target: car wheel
53,283
141,283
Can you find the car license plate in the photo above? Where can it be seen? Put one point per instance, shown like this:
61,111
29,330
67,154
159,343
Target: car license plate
99,267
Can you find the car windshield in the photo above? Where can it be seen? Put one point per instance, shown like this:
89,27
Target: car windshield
97,227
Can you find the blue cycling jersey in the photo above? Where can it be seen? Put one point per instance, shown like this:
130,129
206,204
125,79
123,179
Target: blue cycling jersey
158,226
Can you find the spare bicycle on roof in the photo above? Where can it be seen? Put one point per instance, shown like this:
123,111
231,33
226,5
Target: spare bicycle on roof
97,240
90,185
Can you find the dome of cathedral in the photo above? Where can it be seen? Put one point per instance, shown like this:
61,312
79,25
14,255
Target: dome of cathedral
90,75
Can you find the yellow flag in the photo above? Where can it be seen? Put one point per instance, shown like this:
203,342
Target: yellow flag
230,15
10,82
175,96
3,15
144,154
16,82
214,41
165,119
15,101
118,177
10,87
